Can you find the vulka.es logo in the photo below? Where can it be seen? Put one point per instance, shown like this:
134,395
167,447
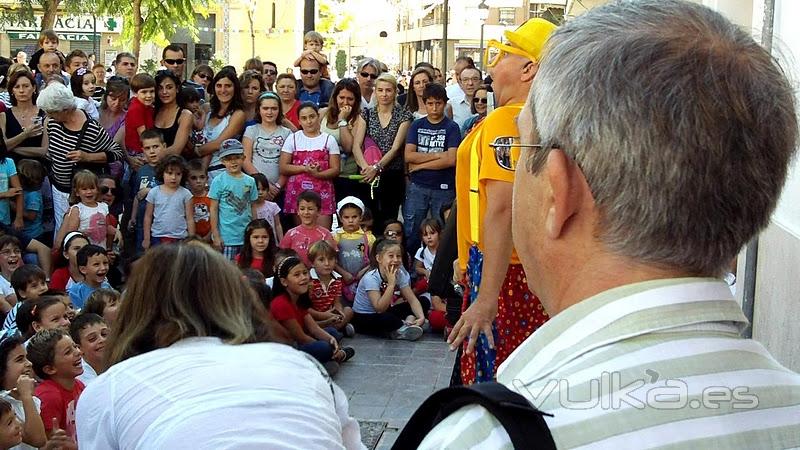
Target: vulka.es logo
608,392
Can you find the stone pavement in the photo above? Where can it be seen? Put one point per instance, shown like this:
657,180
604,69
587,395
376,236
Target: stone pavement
387,380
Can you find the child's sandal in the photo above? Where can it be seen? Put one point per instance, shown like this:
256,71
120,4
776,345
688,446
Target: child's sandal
344,354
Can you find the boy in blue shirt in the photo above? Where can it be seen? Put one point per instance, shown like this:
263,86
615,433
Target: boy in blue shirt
93,264
153,147
232,195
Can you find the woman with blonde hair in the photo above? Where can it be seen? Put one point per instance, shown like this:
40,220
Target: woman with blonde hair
190,364
387,124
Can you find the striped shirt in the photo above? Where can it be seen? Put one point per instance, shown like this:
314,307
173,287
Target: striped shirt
658,364
61,141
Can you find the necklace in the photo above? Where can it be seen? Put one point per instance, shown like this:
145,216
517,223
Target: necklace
23,114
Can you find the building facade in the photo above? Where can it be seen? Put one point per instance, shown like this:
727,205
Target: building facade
421,26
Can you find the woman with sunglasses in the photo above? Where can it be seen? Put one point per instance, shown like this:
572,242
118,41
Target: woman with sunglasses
480,106
387,124
491,270
174,123
224,120
414,103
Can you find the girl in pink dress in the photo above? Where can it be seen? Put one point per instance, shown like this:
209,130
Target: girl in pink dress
310,158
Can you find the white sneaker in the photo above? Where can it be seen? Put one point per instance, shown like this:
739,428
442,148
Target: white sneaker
407,333
349,331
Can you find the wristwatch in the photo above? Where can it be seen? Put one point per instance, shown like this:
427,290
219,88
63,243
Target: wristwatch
342,123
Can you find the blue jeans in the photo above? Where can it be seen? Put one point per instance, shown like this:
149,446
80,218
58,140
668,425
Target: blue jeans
420,200
322,351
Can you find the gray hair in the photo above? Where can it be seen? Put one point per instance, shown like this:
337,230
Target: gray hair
56,98
372,62
681,123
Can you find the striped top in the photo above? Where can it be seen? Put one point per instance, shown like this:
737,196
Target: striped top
61,141
658,364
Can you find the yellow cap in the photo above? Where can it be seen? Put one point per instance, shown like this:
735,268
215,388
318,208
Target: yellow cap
531,36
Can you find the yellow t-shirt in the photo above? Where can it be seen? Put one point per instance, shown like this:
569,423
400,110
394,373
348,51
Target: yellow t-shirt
501,122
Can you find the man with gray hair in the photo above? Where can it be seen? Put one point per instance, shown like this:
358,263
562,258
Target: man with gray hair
659,146
367,71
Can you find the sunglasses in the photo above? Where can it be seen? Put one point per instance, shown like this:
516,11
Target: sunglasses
369,75
482,101
204,76
309,71
105,190
270,72
173,62
507,151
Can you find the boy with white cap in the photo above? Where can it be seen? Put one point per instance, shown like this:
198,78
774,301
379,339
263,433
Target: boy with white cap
233,195
354,244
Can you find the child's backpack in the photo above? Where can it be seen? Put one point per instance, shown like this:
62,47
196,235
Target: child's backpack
524,424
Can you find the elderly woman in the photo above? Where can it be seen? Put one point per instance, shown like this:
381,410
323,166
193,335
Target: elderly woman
386,124
73,141
22,124
238,389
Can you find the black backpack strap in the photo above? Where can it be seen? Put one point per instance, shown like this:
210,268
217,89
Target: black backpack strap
523,423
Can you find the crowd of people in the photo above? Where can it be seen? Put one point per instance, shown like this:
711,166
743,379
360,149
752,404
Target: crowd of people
243,212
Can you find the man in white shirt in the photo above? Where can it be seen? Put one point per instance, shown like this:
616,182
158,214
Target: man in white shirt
454,91
460,109
620,223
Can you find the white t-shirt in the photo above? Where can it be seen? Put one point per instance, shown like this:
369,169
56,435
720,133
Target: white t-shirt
299,141
202,393
5,287
16,405
89,374
426,257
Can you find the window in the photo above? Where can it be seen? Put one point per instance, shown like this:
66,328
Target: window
507,15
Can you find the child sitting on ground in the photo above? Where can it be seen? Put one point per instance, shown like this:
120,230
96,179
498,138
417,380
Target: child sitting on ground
93,265
47,312
423,263
375,310
10,260
259,248
17,389
29,283
312,49
103,302
354,244
303,236
197,182
57,361
90,332
290,307
326,290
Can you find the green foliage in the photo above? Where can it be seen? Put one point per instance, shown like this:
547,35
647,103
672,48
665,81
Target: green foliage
160,18
217,63
334,18
24,10
149,66
341,63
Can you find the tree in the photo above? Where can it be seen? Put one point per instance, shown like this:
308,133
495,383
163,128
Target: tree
341,63
154,20
24,10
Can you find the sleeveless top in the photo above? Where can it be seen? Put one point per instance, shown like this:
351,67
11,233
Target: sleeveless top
348,164
170,132
13,128
115,126
211,132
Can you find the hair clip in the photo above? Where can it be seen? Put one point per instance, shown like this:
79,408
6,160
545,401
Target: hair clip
81,71
33,310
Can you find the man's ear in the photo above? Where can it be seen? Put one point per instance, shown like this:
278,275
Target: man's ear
528,72
565,192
